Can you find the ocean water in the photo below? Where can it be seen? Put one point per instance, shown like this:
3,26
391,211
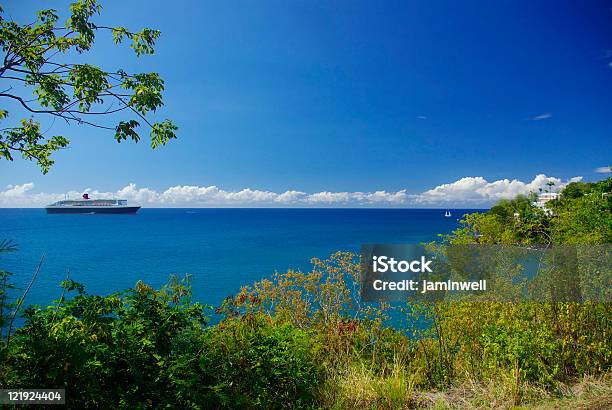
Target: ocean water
221,248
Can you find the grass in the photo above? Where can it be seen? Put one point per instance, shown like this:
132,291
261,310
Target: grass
359,388
589,393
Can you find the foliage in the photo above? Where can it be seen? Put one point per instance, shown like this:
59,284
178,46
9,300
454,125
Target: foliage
540,343
5,286
146,347
325,300
508,222
41,60
103,350
324,296
248,362
582,215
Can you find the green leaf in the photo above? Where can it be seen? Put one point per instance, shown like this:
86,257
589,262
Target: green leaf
162,132
125,130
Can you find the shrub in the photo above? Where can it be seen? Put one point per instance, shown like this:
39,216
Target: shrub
253,362
105,351
539,343
147,347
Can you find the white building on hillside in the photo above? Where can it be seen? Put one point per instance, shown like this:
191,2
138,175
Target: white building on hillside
544,197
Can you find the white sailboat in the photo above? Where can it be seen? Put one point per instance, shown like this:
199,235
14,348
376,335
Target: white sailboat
448,214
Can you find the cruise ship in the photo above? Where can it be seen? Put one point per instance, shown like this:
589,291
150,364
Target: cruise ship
91,206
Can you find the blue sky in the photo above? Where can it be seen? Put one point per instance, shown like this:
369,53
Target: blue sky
351,96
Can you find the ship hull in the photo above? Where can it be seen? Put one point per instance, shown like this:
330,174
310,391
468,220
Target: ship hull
93,210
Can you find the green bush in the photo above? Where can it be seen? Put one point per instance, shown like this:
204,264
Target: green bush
539,343
105,351
147,347
250,362
533,352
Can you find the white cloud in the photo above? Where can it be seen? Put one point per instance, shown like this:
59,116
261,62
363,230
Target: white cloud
603,170
16,191
329,197
421,117
291,197
359,198
15,196
477,190
398,197
204,196
544,116
468,191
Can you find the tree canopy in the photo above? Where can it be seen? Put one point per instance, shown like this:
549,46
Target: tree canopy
581,215
37,74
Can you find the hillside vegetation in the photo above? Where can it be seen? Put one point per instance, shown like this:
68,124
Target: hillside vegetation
305,340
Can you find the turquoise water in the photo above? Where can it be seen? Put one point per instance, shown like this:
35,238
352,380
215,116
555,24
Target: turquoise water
222,248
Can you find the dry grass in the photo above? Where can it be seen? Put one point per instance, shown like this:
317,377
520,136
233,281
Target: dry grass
359,388
589,393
